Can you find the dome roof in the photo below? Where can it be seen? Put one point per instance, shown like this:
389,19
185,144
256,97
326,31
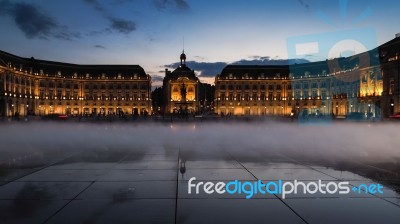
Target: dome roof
183,56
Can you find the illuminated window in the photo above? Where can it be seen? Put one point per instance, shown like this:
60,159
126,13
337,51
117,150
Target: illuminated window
323,94
297,94
314,85
255,97
391,87
314,94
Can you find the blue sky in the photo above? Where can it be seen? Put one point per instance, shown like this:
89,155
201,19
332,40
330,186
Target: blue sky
150,32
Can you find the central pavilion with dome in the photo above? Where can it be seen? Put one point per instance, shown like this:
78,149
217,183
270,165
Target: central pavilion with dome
181,89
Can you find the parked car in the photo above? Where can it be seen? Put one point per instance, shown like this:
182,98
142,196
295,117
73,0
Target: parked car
55,116
395,116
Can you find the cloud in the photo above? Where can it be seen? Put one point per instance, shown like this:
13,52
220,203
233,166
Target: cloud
266,60
211,69
182,4
304,4
34,22
200,57
205,69
119,2
99,46
95,4
156,78
164,4
120,25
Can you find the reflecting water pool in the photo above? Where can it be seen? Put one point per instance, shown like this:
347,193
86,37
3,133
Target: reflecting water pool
116,173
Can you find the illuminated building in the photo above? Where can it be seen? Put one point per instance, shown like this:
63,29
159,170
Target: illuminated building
275,90
38,87
181,89
366,83
390,66
253,90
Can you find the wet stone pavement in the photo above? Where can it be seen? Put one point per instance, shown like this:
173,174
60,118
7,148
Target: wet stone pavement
151,186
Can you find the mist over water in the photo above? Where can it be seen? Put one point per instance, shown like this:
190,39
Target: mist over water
359,142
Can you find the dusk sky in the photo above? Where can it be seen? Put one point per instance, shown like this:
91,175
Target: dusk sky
150,32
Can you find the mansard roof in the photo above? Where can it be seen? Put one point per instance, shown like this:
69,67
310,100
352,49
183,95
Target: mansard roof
320,68
254,71
51,68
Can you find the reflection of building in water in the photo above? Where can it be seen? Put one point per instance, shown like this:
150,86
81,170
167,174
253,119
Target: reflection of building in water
30,86
181,89
367,83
